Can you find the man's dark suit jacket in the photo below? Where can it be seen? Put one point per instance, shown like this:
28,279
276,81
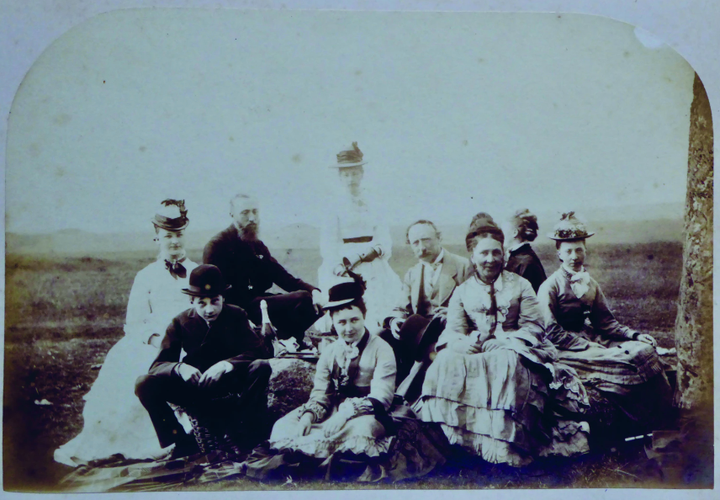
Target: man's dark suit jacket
229,338
248,267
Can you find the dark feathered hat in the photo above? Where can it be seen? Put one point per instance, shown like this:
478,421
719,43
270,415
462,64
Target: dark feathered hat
348,290
352,157
171,215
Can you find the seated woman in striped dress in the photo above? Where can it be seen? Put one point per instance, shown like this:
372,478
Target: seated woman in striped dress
618,361
494,384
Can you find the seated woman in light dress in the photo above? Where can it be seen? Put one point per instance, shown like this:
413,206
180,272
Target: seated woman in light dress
114,420
357,235
354,384
490,385
618,361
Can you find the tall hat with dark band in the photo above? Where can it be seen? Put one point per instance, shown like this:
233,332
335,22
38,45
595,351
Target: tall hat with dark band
206,281
352,157
483,224
570,228
171,215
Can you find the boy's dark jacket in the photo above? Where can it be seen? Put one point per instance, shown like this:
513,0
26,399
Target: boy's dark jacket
230,338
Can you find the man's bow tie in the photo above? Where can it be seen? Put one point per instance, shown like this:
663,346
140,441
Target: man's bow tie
177,270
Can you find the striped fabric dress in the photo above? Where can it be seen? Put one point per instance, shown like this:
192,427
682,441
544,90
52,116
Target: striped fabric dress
591,340
498,403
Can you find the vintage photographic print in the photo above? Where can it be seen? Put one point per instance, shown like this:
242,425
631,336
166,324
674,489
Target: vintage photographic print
287,250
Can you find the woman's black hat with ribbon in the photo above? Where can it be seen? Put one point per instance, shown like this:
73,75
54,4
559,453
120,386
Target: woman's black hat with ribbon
345,292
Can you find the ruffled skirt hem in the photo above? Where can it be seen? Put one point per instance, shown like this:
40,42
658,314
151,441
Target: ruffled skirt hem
358,445
497,437
489,449
494,423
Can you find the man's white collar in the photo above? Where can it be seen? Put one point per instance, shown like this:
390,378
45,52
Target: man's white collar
517,246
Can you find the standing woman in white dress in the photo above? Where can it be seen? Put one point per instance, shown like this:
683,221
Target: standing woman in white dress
114,420
356,236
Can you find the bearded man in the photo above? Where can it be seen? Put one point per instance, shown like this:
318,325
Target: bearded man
250,270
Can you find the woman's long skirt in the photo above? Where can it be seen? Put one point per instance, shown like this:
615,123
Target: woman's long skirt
494,404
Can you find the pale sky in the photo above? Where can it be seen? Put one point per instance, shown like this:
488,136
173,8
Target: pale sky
455,113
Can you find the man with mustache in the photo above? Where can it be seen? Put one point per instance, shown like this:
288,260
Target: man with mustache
249,268
417,323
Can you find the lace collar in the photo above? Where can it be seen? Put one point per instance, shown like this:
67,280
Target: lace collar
579,281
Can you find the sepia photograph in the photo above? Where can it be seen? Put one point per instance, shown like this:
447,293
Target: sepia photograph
281,250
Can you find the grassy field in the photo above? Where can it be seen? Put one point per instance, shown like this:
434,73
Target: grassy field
63,315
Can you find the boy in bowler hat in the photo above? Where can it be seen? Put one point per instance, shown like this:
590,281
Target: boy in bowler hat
224,356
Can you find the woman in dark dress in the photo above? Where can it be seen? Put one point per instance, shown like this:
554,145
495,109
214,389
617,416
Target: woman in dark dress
520,230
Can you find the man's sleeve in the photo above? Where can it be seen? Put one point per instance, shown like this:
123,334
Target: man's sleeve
211,254
281,277
169,356
404,308
465,269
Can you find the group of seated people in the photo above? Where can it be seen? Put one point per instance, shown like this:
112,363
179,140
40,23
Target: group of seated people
487,348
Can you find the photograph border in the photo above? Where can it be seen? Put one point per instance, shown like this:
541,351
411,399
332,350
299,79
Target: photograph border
690,29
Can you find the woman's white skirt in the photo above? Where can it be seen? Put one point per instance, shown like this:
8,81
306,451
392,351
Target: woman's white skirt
114,420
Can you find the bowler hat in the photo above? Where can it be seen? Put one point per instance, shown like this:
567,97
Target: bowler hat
206,281
171,215
352,157
345,292
569,228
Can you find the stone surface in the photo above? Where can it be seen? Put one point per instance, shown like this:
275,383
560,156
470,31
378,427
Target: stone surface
290,385
694,327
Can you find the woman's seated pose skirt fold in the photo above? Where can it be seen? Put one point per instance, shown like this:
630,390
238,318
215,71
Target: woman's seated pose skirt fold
114,420
494,382
354,384
616,360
